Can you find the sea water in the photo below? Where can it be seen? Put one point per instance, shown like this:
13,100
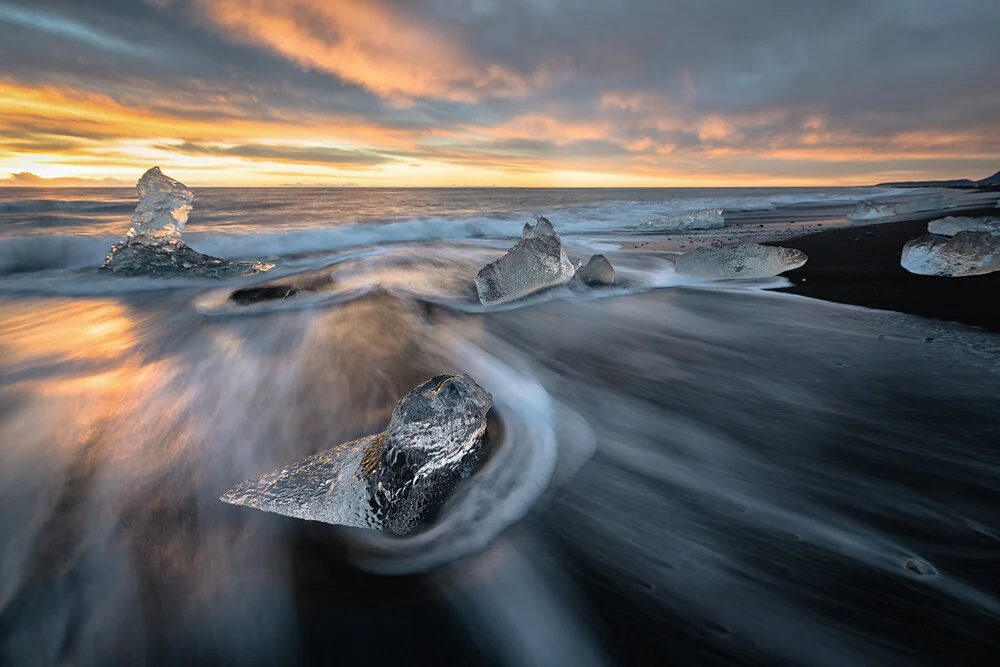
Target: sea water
688,473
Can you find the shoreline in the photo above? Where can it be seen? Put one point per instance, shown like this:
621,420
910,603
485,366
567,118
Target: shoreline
855,263
859,265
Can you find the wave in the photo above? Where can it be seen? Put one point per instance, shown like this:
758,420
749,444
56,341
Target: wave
544,442
50,205
29,254
76,251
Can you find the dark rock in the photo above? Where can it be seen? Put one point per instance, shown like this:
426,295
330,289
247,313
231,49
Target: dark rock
283,289
249,295
597,271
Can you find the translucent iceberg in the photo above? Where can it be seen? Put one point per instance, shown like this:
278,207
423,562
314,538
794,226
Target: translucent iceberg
164,206
871,210
537,262
710,218
542,227
153,245
953,225
746,260
964,254
394,481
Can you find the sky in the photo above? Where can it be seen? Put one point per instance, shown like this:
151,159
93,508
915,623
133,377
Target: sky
499,92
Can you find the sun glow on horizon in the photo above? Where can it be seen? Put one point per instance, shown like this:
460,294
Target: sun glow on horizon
374,94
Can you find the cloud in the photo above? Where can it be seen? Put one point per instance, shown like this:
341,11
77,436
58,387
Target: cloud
376,45
647,88
289,154
25,179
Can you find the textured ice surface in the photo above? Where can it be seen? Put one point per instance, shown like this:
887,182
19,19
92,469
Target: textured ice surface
964,254
597,271
433,442
164,205
392,481
542,227
172,258
871,210
153,245
748,260
710,218
953,225
534,264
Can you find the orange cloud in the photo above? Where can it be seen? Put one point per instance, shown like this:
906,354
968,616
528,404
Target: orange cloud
387,52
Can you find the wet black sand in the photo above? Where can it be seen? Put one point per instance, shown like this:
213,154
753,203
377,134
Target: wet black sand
859,265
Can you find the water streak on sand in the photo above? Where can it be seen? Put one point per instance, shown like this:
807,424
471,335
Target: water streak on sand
707,474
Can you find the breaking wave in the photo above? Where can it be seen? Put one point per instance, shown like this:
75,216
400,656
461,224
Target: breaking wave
29,254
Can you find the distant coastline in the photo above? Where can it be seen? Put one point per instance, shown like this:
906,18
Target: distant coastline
988,183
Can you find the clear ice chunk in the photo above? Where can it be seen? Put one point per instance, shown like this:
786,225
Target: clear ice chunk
746,260
538,261
394,481
153,246
710,218
964,254
164,206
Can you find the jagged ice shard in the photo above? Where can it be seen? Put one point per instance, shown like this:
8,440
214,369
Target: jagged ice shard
153,246
164,205
394,481
537,262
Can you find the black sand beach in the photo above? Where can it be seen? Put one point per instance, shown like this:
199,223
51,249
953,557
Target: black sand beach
859,265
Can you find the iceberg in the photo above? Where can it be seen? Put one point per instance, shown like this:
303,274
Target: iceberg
953,225
871,210
746,260
394,481
964,254
710,218
153,245
542,227
537,262
868,209
164,206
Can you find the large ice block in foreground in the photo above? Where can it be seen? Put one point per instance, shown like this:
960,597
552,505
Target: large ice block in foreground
153,246
746,260
394,481
964,254
953,225
710,218
537,262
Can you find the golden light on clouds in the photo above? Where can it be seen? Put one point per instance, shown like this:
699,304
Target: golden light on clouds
336,92
385,51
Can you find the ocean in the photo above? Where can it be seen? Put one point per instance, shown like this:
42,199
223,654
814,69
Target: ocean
688,473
